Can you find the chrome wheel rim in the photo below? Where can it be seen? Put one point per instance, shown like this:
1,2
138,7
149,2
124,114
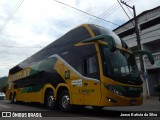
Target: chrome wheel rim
50,101
14,98
65,101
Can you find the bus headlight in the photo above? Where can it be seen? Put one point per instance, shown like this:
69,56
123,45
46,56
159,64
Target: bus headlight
112,89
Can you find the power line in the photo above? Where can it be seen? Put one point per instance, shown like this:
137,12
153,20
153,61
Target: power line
130,11
111,11
86,13
125,11
106,12
11,14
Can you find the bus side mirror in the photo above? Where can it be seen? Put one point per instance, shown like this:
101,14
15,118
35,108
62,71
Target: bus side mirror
107,38
149,55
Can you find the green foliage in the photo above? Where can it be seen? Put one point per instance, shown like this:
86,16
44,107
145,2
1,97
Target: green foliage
3,81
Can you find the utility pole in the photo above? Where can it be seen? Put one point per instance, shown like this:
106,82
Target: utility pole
139,48
137,35
138,40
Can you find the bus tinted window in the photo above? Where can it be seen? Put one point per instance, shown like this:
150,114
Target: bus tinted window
66,42
120,66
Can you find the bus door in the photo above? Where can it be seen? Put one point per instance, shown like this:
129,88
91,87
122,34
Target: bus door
91,83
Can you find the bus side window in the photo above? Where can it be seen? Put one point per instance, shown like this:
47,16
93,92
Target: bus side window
91,67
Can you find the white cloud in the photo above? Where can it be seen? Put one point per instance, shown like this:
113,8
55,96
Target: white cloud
39,22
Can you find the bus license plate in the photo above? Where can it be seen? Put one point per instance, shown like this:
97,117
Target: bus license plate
133,102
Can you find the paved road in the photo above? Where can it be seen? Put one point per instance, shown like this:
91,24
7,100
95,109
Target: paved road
152,105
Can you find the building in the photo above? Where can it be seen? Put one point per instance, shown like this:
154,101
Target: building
149,26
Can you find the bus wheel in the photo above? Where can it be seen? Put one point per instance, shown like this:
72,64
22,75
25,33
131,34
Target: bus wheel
13,98
97,107
50,101
64,101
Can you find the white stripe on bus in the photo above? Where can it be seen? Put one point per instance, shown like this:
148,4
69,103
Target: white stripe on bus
79,74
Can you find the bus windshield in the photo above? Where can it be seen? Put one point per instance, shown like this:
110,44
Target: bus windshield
120,66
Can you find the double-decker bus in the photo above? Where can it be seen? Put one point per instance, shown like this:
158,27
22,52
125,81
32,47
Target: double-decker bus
88,66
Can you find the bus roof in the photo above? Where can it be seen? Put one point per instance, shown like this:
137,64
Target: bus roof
72,37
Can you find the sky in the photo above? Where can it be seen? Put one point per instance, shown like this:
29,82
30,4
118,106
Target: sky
26,26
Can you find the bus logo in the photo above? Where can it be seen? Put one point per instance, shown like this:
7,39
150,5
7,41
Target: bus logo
67,74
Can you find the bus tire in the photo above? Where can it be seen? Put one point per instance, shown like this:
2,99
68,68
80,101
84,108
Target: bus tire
50,101
97,107
64,101
13,98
